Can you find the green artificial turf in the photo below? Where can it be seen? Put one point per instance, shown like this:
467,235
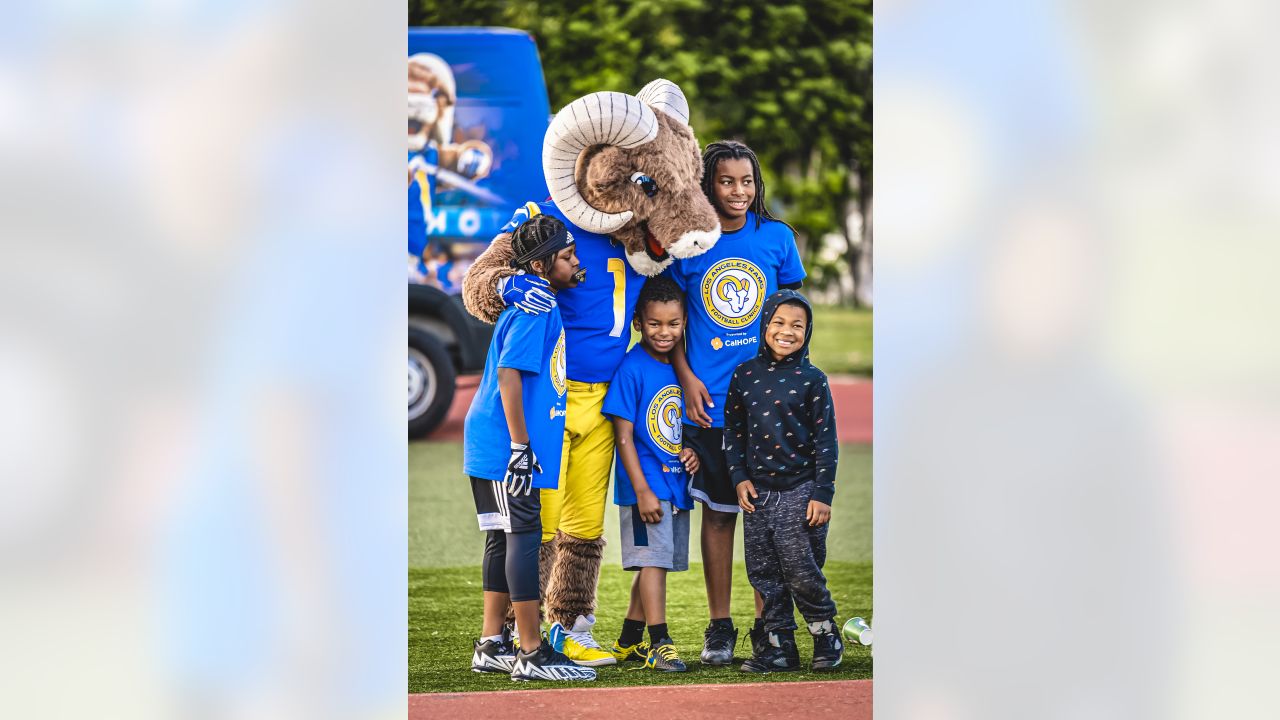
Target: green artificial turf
445,595
442,516
841,343
444,618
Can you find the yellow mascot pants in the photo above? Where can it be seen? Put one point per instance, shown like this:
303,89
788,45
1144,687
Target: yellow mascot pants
577,506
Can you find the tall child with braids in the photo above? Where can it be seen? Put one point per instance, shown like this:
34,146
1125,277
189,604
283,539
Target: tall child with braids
726,287
512,445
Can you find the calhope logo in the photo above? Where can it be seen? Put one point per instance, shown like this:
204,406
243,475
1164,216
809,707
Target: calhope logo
664,419
732,292
557,365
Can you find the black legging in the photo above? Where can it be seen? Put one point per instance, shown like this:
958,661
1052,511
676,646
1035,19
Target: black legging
511,563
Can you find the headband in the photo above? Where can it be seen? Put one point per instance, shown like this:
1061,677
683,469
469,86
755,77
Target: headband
558,241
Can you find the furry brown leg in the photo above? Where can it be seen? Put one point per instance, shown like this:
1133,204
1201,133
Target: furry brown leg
571,590
546,560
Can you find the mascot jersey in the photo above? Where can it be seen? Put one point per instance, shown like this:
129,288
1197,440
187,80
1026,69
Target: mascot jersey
597,313
534,345
646,392
725,288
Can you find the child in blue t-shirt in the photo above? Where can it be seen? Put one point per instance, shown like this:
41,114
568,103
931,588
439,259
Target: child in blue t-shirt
650,486
755,257
511,449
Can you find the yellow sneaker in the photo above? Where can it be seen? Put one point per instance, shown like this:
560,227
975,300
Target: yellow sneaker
577,644
637,652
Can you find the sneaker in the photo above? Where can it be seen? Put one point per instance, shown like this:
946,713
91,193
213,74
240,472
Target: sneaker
493,656
828,651
545,663
637,652
759,639
717,649
577,644
665,658
509,631
779,654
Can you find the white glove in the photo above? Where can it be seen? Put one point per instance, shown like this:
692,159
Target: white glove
530,293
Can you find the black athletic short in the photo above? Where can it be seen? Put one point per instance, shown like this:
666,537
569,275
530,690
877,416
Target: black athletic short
496,510
711,484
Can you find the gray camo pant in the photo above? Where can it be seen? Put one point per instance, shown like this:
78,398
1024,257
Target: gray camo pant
785,558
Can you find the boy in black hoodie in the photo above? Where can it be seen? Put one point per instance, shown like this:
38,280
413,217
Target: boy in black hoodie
780,442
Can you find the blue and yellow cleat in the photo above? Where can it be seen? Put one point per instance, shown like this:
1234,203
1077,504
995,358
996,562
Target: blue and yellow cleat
665,658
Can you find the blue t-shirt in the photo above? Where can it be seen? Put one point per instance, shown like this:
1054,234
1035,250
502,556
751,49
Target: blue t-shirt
725,288
645,391
597,312
534,345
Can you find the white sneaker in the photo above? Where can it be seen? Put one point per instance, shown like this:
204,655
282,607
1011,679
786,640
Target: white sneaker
578,644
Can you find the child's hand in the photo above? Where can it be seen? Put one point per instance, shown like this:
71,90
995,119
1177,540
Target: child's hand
746,488
695,395
818,513
649,506
690,460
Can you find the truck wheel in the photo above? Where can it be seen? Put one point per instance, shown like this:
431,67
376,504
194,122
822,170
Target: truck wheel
432,382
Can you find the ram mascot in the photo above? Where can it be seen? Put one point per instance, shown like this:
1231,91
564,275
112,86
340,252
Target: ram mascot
624,172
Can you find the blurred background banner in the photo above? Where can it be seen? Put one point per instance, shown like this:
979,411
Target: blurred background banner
203,508
1078,433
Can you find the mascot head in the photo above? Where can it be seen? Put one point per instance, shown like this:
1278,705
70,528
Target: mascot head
432,96
628,166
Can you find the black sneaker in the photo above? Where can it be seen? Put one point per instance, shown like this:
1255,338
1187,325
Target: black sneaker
828,651
495,656
544,663
778,654
759,639
717,649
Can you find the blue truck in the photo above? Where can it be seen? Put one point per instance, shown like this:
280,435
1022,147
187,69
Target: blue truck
478,111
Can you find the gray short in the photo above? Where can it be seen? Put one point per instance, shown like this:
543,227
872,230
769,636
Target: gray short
664,544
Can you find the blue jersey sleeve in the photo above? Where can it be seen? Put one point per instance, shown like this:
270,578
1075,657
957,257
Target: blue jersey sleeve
791,270
522,347
675,272
623,397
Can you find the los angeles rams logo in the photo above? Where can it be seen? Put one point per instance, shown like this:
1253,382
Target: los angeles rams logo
732,292
557,365
664,419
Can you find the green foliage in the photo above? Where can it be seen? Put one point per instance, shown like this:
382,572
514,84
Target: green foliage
791,79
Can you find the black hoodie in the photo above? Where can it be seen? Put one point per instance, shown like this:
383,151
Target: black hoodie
779,421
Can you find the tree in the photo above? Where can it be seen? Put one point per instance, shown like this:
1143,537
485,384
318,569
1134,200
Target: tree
790,79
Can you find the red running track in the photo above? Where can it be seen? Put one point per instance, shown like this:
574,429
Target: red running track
849,699
852,397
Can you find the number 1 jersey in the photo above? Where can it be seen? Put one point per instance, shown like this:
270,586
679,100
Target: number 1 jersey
597,313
